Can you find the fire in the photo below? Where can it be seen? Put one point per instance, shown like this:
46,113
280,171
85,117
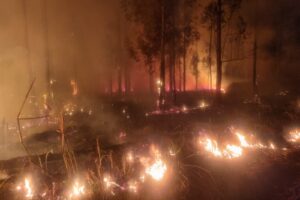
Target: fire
184,108
244,143
203,104
77,190
74,87
232,151
130,157
133,186
27,188
212,147
109,183
157,170
159,84
294,136
155,167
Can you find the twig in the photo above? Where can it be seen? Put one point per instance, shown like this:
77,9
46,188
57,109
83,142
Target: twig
18,120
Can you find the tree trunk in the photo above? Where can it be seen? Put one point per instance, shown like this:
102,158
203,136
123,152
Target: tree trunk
179,75
110,83
162,59
151,79
119,80
170,72
184,63
219,49
47,60
254,73
196,80
209,56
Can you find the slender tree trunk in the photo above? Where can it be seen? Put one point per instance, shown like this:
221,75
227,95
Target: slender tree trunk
179,75
151,79
127,77
184,63
254,78
162,59
209,56
110,83
170,72
174,77
119,80
254,73
196,80
219,49
47,54
28,53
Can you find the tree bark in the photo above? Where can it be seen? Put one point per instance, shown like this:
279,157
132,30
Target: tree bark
162,59
219,49
209,56
119,80
151,79
184,62
254,73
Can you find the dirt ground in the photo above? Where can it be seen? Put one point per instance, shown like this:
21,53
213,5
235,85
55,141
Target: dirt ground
122,124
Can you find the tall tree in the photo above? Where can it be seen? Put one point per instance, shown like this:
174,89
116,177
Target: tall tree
219,14
160,32
254,72
195,62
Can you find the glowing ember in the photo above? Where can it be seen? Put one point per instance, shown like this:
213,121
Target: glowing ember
130,157
159,84
184,109
203,105
26,187
272,146
157,170
77,190
294,136
109,183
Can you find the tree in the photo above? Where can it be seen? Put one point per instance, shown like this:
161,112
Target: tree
218,14
195,62
161,30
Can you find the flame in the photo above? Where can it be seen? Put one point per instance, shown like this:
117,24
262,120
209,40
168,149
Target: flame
232,151
157,170
74,86
203,104
77,190
212,147
109,183
133,186
294,136
27,188
155,167
244,143
184,108
130,157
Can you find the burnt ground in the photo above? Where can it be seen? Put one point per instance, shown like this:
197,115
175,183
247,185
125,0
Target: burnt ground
122,124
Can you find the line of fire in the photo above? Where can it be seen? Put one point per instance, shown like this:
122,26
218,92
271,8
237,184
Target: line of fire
149,99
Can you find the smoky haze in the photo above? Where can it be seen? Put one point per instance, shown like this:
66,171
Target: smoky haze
77,39
71,36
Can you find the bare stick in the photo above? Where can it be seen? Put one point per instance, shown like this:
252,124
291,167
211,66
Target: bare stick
18,120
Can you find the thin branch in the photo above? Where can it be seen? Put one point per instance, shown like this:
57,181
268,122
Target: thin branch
18,119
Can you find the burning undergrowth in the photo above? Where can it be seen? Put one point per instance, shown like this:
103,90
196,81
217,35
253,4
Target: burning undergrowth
116,152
